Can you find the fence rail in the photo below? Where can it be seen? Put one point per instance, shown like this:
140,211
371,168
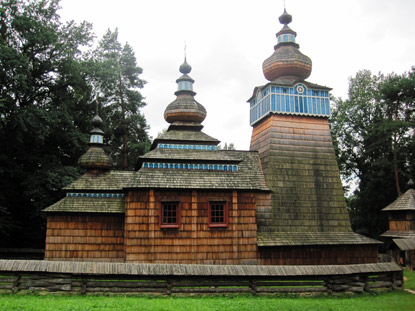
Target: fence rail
27,276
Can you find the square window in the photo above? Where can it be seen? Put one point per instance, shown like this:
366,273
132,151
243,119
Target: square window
169,215
218,214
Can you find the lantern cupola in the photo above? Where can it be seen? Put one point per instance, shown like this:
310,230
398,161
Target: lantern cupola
96,158
185,109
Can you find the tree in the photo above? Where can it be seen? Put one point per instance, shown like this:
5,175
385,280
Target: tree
231,146
116,83
397,97
44,108
374,143
49,79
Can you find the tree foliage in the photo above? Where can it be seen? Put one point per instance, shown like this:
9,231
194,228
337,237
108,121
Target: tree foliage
373,133
226,146
116,84
46,104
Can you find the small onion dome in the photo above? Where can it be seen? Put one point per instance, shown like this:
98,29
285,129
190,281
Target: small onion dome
287,60
185,68
185,109
95,159
285,18
96,121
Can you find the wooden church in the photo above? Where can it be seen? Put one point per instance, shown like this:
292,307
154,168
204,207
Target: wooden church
281,203
400,238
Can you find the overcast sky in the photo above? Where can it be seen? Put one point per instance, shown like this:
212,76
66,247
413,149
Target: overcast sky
228,40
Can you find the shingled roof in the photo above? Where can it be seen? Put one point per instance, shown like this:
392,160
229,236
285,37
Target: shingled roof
399,234
87,205
177,135
195,155
405,244
312,238
103,181
404,202
94,193
247,177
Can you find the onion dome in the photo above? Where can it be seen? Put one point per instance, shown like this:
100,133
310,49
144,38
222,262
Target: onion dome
185,68
95,158
286,60
185,109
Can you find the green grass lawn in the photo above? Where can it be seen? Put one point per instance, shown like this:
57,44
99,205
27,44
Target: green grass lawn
388,301
398,300
409,279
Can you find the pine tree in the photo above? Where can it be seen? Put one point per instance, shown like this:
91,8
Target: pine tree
117,85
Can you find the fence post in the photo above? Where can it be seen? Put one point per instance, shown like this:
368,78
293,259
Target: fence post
252,285
83,285
16,283
397,278
169,287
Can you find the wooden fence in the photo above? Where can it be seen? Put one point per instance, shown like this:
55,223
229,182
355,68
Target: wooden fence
83,278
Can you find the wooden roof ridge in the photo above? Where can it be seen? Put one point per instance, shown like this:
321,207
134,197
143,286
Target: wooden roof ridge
102,268
405,202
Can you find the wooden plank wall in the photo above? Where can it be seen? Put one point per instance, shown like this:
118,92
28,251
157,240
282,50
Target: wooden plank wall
318,255
401,221
194,242
85,238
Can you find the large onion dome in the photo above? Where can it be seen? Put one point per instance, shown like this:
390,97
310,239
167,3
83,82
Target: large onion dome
185,109
286,60
95,158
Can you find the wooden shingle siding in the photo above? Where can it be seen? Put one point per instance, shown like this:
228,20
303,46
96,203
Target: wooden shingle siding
318,255
85,237
300,167
194,241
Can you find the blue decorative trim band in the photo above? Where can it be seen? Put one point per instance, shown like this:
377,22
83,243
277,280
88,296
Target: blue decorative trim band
298,100
186,147
94,195
192,166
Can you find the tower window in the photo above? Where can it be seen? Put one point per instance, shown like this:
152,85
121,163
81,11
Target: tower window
218,214
170,215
